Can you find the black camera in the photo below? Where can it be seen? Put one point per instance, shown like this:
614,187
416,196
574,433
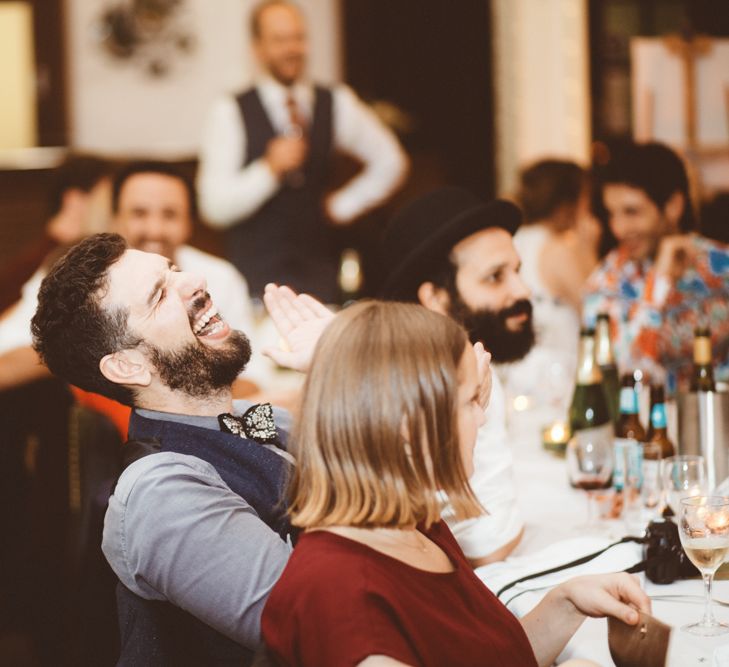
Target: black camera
664,557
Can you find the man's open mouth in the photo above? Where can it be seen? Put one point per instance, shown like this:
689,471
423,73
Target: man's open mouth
207,323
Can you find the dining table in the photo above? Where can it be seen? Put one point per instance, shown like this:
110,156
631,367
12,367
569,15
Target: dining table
555,517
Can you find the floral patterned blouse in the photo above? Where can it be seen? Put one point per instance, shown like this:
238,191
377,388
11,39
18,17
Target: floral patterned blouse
653,319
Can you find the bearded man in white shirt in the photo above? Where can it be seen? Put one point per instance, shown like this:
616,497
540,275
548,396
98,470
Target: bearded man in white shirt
454,254
265,158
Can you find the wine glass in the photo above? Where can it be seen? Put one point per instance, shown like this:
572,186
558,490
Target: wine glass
704,532
683,476
590,465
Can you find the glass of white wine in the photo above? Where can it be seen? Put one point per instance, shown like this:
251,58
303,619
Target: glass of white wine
704,531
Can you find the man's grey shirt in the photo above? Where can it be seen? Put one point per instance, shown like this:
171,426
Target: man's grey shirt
175,531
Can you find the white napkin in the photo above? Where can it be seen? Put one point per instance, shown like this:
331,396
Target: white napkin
496,575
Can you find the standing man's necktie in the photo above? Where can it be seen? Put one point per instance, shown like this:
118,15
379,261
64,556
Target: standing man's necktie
296,129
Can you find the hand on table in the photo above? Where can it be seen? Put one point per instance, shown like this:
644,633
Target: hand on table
300,319
617,595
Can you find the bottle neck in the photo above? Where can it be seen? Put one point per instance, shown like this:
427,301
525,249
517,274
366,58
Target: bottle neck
588,372
603,346
702,351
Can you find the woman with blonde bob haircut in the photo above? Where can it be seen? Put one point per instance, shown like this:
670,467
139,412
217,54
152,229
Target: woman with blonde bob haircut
353,468
393,400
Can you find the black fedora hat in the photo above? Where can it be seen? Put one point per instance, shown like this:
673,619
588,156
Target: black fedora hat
422,233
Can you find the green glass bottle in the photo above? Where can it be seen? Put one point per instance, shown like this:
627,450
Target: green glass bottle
702,379
589,415
608,367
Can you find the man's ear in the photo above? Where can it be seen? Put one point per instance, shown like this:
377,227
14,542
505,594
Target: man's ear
434,298
127,367
674,208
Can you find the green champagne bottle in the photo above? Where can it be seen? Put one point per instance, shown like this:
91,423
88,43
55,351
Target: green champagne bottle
589,415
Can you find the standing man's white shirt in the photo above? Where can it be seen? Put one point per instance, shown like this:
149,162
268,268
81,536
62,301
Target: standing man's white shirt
494,484
230,192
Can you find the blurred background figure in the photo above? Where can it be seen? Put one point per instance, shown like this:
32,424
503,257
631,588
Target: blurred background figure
266,154
79,204
558,245
661,280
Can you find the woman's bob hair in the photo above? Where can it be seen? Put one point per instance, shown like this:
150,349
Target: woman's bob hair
377,439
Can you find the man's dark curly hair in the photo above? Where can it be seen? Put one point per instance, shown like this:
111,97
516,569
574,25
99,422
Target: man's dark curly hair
71,331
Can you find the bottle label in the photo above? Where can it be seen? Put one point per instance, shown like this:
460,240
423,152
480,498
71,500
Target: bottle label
627,463
658,416
702,350
628,401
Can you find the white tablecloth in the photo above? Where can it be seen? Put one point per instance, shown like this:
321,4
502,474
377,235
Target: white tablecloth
553,511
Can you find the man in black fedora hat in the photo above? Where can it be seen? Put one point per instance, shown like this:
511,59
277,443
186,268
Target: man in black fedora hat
453,253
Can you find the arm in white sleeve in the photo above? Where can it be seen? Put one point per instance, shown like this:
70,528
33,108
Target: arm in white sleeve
175,531
494,485
229,192
359,132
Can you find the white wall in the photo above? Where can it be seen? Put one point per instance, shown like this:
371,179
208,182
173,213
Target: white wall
117,108
541,78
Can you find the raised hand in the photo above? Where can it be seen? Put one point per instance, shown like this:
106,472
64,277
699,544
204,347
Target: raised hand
676,253
286,154
300,320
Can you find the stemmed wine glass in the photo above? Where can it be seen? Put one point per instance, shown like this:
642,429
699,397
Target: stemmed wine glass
590,465
704,532
683,476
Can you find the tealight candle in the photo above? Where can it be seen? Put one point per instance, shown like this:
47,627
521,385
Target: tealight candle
555,437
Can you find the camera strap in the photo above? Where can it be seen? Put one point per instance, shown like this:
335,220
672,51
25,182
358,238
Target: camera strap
638,567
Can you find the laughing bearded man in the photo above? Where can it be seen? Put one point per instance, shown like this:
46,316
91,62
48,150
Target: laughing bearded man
454,254
196,530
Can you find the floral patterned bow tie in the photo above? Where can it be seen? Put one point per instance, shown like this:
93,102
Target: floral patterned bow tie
256,423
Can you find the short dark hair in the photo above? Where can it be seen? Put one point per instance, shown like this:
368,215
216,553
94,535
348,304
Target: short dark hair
153,167
547,185
653,168
71,331
76,172
258,11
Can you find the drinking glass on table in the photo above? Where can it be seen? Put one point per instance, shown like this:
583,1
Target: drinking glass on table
683,476
704,532
590,466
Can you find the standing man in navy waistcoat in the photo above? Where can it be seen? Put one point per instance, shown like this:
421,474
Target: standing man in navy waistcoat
196,530
265,159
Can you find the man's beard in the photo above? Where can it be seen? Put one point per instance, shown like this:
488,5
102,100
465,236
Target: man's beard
198,370
489,327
